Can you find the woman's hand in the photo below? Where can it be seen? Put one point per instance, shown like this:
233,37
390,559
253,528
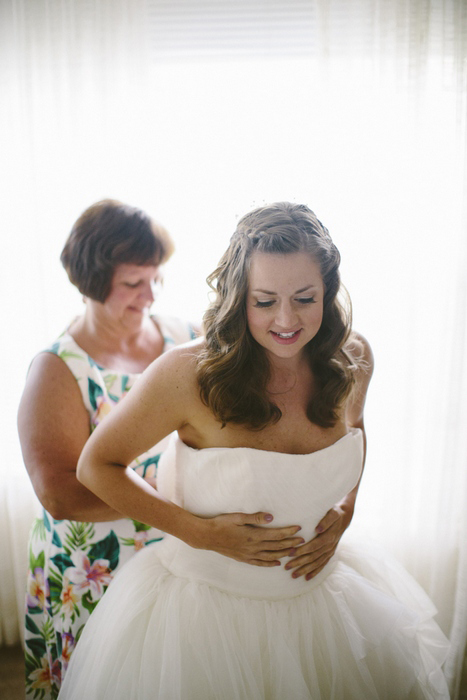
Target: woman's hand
313,556
243,537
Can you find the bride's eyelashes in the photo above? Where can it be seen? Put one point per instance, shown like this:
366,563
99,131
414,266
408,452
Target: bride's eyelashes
270,302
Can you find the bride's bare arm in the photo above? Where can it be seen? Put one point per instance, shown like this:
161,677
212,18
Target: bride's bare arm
313,556
161,402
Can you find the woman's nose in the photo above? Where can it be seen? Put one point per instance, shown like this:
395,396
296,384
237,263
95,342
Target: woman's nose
149,292
286,316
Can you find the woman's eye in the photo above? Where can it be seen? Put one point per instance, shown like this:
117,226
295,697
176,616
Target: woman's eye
306,300
133,285
264,304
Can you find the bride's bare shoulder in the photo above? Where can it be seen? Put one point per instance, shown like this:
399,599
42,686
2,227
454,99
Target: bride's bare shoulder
177,364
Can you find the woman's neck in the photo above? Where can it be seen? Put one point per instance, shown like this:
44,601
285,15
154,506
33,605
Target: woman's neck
288,374
116,345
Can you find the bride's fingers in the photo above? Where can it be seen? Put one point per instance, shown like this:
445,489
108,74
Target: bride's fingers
331,517
285,545
282,549
267,552
309,557
257,522
310,569
271,555
261,562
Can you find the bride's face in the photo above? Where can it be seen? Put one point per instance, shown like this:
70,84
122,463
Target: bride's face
284,302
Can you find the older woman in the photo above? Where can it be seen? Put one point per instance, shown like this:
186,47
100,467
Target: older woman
113,256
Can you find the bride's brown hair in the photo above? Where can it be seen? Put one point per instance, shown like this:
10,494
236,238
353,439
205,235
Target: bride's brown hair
233,369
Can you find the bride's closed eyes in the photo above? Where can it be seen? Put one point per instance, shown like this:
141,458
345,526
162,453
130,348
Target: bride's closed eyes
265,304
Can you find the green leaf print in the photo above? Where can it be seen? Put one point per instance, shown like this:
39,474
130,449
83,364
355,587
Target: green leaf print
62,561
46,522
38,563
106,549
37,646
94,391
125,380
78,634
56,539
32,663
68,354
78,535
55,589
147,463
31,626
156,539
58,643
141,527
109,380
38,529
48,631
35,611
88,603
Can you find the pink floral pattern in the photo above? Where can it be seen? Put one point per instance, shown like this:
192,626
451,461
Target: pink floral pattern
86,576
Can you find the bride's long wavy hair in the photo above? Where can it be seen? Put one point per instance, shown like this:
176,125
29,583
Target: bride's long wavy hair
233,369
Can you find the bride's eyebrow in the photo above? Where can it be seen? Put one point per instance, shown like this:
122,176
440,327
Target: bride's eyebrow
299,291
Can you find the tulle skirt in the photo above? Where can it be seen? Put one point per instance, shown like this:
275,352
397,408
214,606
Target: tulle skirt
363,631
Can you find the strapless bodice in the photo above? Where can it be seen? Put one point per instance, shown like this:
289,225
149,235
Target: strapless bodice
296,489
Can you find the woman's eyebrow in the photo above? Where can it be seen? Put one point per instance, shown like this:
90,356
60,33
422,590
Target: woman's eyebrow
299,291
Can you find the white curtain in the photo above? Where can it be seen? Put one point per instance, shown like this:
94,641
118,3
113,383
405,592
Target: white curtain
199,111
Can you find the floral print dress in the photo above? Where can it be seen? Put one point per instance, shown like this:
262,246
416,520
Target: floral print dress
72,563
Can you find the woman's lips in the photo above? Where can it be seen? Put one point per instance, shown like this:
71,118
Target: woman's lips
286,338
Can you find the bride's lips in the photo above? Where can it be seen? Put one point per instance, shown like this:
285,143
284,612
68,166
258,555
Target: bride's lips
286,338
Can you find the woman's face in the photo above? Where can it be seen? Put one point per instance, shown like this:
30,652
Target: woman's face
133,290
284,302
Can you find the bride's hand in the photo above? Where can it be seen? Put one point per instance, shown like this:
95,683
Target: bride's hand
243,537
313,556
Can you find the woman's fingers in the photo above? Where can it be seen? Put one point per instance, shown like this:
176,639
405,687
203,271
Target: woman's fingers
331,517
240,536
262,562
312,557
286,544
260,520
310,570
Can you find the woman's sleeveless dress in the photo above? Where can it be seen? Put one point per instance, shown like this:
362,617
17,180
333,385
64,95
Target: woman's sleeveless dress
72,563
181,623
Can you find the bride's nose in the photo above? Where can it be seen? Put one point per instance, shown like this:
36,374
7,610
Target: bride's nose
286,316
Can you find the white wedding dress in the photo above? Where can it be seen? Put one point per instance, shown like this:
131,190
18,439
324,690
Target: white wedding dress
179,623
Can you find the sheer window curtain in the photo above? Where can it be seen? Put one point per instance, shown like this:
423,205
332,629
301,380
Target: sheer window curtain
197,112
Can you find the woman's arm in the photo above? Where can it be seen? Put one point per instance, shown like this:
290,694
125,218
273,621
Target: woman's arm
166,399
313,556
53,427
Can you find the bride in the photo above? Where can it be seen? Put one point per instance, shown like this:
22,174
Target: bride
268,414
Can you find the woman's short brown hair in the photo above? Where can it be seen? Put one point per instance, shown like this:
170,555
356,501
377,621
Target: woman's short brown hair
106,235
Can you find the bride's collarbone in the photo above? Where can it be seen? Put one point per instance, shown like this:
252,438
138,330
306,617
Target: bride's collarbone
298,435
290,435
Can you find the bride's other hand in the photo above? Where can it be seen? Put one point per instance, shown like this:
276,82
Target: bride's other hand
313,556
244,537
